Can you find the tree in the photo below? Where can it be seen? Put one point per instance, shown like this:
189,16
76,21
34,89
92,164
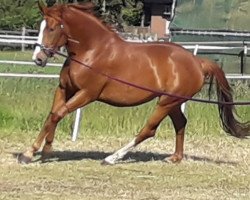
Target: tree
15,14
118,12
132,14
123,12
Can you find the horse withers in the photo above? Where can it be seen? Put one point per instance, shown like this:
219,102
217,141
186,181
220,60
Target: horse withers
98,58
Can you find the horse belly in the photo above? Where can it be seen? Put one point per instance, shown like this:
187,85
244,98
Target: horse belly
123,95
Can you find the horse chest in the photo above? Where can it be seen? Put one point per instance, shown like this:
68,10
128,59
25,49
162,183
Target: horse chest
84,78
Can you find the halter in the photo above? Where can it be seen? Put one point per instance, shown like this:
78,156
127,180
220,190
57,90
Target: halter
51,51
46,49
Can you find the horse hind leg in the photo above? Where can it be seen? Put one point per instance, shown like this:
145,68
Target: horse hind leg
179,122
148,131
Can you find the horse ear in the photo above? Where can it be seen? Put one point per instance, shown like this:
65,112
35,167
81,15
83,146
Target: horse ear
41,6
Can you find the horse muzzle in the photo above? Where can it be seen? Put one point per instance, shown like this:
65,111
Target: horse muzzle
41,59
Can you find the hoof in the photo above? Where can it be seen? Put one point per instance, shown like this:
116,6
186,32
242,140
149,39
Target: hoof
22,159
104,162
173,159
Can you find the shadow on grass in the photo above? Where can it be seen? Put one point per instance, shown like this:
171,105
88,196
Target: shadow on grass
131,157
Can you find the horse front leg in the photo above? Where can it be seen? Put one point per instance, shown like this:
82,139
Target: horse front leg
48,129
59,101
80,99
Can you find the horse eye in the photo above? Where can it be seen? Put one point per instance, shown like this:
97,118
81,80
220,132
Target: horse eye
51,29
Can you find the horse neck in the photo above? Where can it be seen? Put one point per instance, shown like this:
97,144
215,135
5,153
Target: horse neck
86,29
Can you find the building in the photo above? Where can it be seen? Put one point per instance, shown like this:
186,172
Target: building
158,14
225,23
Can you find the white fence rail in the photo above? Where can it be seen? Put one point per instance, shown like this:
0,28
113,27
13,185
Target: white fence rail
195,47
18,38
27,63
16,41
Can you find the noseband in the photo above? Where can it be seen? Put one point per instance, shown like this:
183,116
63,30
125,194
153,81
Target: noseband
49,52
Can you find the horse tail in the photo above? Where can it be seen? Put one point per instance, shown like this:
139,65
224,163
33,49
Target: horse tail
224,93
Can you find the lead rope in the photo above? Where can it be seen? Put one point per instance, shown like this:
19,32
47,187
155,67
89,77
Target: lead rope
158,93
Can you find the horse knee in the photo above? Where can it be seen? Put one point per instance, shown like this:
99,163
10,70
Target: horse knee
55,118
59,114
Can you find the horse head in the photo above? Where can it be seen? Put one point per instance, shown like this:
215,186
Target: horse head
51,36
54,32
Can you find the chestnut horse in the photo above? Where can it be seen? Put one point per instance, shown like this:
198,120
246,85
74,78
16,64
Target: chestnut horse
162,67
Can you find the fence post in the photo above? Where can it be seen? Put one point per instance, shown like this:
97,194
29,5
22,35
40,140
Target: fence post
76,125
23,38
243,59
183,106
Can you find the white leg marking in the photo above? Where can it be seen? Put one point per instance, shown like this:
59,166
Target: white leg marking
183,106
39,40
120,153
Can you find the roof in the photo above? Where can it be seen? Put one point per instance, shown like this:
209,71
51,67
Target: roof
233,15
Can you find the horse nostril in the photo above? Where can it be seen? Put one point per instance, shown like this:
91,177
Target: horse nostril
39,61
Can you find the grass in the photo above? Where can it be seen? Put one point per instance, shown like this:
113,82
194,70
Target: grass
26,102
212,169
216,166
24,55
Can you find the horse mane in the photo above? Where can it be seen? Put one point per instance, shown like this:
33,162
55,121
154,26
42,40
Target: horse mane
91,9
88,7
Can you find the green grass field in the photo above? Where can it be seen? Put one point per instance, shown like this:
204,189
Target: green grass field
216,166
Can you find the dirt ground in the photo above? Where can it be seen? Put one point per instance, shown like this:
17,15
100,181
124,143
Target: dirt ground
213,168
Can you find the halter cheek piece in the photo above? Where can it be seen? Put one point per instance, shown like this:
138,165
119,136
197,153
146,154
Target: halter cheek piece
51,51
